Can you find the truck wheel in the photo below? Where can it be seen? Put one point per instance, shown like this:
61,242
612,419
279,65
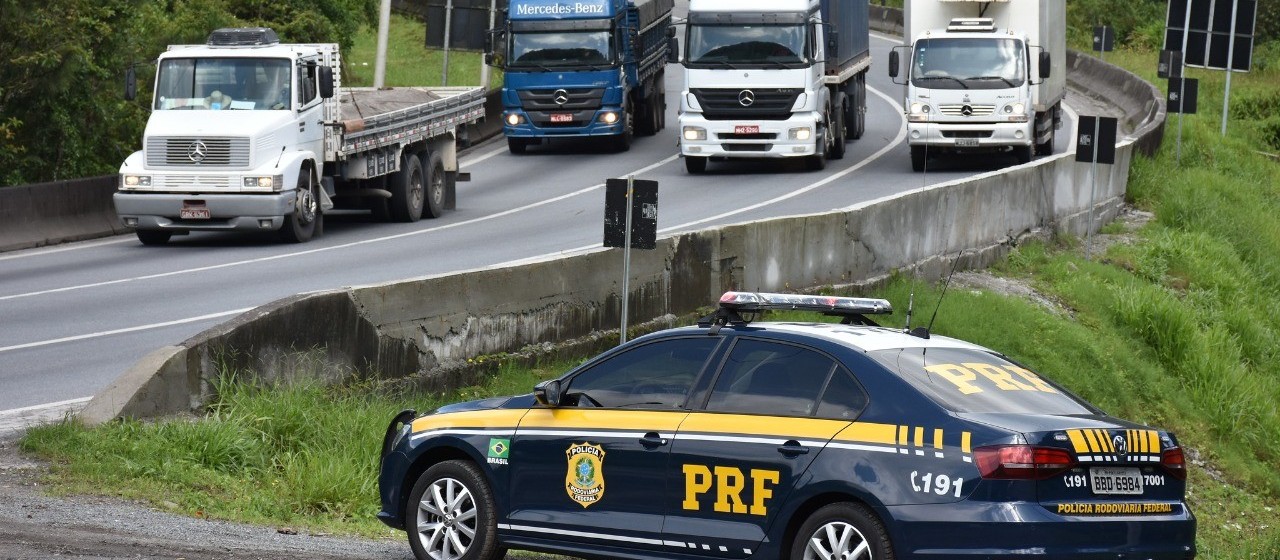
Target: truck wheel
153,237
407,190
842,530
516,145
622,142
858,109
695,164
917,158
838,127
1045,148
435,183
302,223
661,100
451,514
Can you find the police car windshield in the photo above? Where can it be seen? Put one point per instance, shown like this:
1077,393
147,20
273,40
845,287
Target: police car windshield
972,381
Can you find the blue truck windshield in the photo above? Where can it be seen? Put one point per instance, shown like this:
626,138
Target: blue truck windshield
253,84
968,64
751,45
562,49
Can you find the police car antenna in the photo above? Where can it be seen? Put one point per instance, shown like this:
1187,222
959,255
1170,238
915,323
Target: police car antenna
954,264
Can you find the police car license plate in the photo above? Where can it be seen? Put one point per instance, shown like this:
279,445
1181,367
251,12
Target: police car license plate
968,142
747,129
1115,480
194,213
561,117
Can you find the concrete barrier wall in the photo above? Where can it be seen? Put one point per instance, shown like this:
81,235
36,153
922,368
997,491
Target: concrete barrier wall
57,212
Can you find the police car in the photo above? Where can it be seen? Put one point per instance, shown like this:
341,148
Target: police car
735,439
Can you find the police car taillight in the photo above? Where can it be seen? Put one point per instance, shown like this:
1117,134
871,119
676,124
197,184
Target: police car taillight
1173,461
1021,462
752,301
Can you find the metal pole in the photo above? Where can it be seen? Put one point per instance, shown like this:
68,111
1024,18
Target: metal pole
626,260
448,23
484,68
1231,59
1093,187
380,60
1182,84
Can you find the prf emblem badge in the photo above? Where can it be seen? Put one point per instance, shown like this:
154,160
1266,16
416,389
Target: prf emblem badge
584,481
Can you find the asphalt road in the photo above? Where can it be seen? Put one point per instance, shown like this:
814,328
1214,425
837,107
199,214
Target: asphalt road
74,317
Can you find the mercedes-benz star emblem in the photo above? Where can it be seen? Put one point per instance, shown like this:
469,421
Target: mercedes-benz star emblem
747,98
966,110
197,151
560,97
1121,447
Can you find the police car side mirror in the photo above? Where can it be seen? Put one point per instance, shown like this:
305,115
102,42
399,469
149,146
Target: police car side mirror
548,393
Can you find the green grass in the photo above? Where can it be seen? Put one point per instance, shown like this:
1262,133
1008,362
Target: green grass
409,62
1180,330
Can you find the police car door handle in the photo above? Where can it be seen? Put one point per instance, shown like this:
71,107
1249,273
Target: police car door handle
792,448
652,439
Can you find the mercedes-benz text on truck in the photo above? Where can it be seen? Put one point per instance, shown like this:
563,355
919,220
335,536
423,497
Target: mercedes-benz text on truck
773,79
582,68
247,133
982,76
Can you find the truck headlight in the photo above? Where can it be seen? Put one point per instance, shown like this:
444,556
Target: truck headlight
800,134
919,111
273,182
514,119
695,133
137,180
608,117
1017,112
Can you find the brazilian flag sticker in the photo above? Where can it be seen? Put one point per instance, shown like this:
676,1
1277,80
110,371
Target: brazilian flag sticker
499,450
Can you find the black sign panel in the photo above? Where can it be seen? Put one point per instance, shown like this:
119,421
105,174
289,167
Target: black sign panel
467,27
1182,95
644,214
1170,64
1103,140
1104,39
1208,32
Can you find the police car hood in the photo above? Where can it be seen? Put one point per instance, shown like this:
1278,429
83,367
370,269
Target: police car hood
482,404
1027,423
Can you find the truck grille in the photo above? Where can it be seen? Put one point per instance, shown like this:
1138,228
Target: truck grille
188,151
974,110
574,99
748,104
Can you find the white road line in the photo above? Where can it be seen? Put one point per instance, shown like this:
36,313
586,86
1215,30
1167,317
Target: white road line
49,251
59,404
122,331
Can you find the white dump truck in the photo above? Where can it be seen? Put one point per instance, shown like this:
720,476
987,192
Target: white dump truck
773,79
982,76
247,133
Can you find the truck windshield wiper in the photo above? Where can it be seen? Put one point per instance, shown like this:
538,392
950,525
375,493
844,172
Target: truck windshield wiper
952,78
1001,78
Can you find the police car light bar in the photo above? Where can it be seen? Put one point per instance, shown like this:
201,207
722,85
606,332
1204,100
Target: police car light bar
752,302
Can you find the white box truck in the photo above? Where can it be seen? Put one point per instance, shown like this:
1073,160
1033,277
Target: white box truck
982,76
247,133
773,79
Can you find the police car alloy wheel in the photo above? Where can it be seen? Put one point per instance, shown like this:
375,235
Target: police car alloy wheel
842,531
451,512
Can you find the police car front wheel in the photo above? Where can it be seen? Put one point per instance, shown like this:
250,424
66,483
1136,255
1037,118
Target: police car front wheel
451,514
842,531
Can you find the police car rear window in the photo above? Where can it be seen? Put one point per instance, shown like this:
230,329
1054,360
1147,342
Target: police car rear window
967,380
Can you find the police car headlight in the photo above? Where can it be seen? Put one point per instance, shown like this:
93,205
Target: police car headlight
137,180
800,134
514,119
608,117
695,133
271,182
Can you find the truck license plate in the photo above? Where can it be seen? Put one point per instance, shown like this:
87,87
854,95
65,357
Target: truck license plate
747,129
194,213
1111,480
967,142
561,117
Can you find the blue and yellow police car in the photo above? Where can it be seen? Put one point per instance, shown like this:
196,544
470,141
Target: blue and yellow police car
736,439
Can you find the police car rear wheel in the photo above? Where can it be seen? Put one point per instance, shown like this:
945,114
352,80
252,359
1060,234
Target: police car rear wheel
451,514
842,531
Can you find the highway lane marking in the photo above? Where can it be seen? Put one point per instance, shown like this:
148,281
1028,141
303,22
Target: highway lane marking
101,334
39,407
49,251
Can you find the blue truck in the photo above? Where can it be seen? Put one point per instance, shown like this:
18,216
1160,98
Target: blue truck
582,68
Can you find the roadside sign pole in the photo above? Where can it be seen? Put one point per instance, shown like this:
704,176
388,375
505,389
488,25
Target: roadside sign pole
1231,61
484,68
626,260
448,21
1182,87
380,59
1093,188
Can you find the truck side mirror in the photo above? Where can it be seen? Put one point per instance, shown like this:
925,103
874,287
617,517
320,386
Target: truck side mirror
548,393
832,42
1045,67
130,84
671,31
673,50
326,82
894,61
